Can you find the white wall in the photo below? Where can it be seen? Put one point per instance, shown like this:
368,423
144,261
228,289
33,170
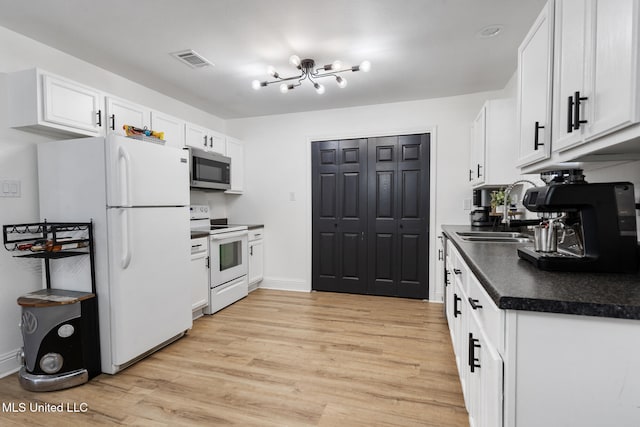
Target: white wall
18,161
278,170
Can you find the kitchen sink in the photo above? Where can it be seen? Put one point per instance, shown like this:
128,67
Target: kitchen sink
494,237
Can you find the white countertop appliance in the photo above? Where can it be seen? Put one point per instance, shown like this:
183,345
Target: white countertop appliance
229,256
136,194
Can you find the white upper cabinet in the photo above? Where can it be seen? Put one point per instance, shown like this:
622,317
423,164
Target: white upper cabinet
196,137
47,103
205,139
571,55
615,67
535,69
596,69
172,127
217,142
595,113
478,145
121,112
235,150
493,152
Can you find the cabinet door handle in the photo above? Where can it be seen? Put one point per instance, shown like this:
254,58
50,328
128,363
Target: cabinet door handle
251,251
479,175
474,343
536,142
211,141
570,114
99,113
456,299
205,140
576,111
440,255
474,303
457,272
470,173
208,266
446,277
113,122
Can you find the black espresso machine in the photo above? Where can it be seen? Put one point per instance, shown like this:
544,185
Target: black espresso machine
601,218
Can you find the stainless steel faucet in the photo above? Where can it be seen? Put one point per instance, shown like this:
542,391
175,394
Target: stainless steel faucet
505,214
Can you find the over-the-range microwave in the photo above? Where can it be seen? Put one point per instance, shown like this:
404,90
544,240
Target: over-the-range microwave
209,171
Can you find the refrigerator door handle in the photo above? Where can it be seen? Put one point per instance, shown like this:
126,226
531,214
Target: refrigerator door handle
126,243
125,180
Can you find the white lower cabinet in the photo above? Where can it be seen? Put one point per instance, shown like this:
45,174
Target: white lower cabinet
529,369
256,257
199,275
479,363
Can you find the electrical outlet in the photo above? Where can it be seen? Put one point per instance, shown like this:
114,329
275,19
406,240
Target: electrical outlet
466,204
10,188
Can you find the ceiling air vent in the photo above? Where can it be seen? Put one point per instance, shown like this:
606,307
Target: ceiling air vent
191,58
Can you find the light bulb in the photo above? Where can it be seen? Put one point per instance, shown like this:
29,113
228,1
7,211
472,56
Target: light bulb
365,66
284,88
256,84
342,82
319,88
272,72
294,60
336,65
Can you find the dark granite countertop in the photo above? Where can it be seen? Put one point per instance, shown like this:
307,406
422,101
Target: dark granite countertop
516,284
254,226
197,234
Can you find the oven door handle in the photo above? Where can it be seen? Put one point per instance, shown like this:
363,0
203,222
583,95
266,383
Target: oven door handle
227,236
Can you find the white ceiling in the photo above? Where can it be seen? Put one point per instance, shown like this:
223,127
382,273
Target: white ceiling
418,48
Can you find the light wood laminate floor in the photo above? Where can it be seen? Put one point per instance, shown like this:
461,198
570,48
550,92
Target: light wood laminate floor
278,359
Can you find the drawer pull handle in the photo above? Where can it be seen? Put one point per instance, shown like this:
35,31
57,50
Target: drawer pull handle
570,114
474,343
456,299
446,277
536,140
457,272
474,303
576,112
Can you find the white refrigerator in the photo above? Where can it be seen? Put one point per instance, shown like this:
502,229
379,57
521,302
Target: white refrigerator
137,195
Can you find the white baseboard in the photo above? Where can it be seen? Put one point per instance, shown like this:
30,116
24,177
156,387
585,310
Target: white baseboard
9,363
284,284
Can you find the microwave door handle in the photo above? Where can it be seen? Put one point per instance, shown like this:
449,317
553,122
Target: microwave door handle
226,236
125,175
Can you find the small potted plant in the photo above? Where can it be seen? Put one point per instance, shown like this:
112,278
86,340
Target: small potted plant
497,201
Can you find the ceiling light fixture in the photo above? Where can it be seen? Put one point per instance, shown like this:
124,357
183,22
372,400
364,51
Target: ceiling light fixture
307,72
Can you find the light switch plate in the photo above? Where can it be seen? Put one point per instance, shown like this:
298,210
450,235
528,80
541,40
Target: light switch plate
10,188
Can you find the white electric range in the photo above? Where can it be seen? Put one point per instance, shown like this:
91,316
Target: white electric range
228,255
